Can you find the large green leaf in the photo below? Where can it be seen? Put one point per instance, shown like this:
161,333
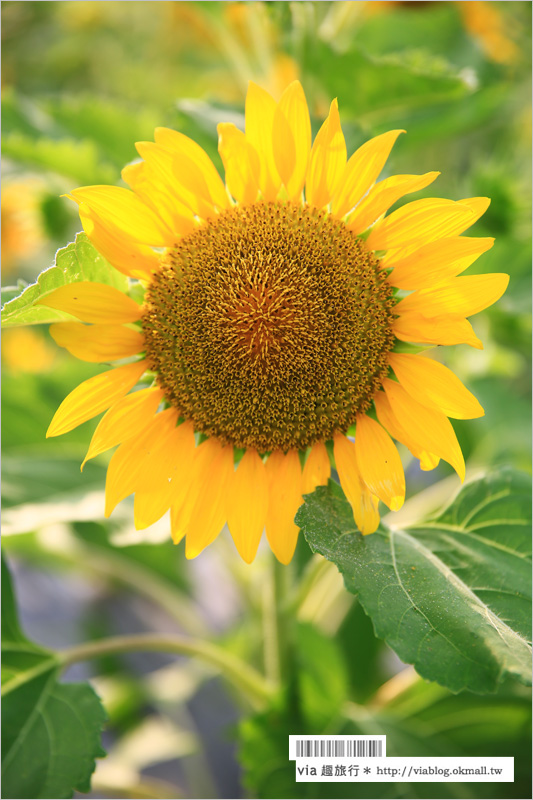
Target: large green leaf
50,731
451,596
78,261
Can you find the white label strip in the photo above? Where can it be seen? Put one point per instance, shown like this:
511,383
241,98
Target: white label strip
412,770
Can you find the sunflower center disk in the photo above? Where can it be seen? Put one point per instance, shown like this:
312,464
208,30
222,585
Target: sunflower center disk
270,326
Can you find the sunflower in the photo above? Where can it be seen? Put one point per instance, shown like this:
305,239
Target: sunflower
270,340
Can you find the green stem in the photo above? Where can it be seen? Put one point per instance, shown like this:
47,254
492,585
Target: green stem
276,622
241,675
284,619
287,638
316,567
280,645
270,636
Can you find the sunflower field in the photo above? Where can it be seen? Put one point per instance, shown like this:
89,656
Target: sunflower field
266,409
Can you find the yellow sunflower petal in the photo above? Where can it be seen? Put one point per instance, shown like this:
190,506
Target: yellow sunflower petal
97,342
180,144
450,225
247,504
292,153
461,296
285,498
93,396
156,188
126,472
317,469
283,147
428,461
364,504
199,512
444,329
435,385
190,184
129,257
184,502
124,419
362,170
259,112
346,466
379,463
150,506
93,302
241,163
478,206
436,262
180,178
123,209
176,528
209,515
384,195
428,427
387,418
327,161
169,461
421,221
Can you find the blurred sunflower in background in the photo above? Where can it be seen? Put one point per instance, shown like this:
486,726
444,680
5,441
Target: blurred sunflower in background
22,226
273,327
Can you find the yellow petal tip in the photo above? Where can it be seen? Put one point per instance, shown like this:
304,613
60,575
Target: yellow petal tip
247,558
370,529
176,537
397,502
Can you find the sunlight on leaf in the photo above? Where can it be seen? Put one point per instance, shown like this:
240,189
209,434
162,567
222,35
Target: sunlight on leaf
78,261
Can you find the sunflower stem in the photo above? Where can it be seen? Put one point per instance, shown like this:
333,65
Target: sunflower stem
281,581
280,632
314,570
283,578
270,622
245,678
277,622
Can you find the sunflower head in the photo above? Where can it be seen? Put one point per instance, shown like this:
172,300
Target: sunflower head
270,326
275,303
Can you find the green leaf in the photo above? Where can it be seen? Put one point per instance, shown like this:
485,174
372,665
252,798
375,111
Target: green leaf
83,137
38,488
423,720
451,596
413,80
50,731
113,127
78,160
78,261
323,682
10,292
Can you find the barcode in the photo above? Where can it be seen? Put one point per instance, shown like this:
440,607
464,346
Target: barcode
339,748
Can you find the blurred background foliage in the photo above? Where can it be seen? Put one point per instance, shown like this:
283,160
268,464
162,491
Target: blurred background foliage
81,82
